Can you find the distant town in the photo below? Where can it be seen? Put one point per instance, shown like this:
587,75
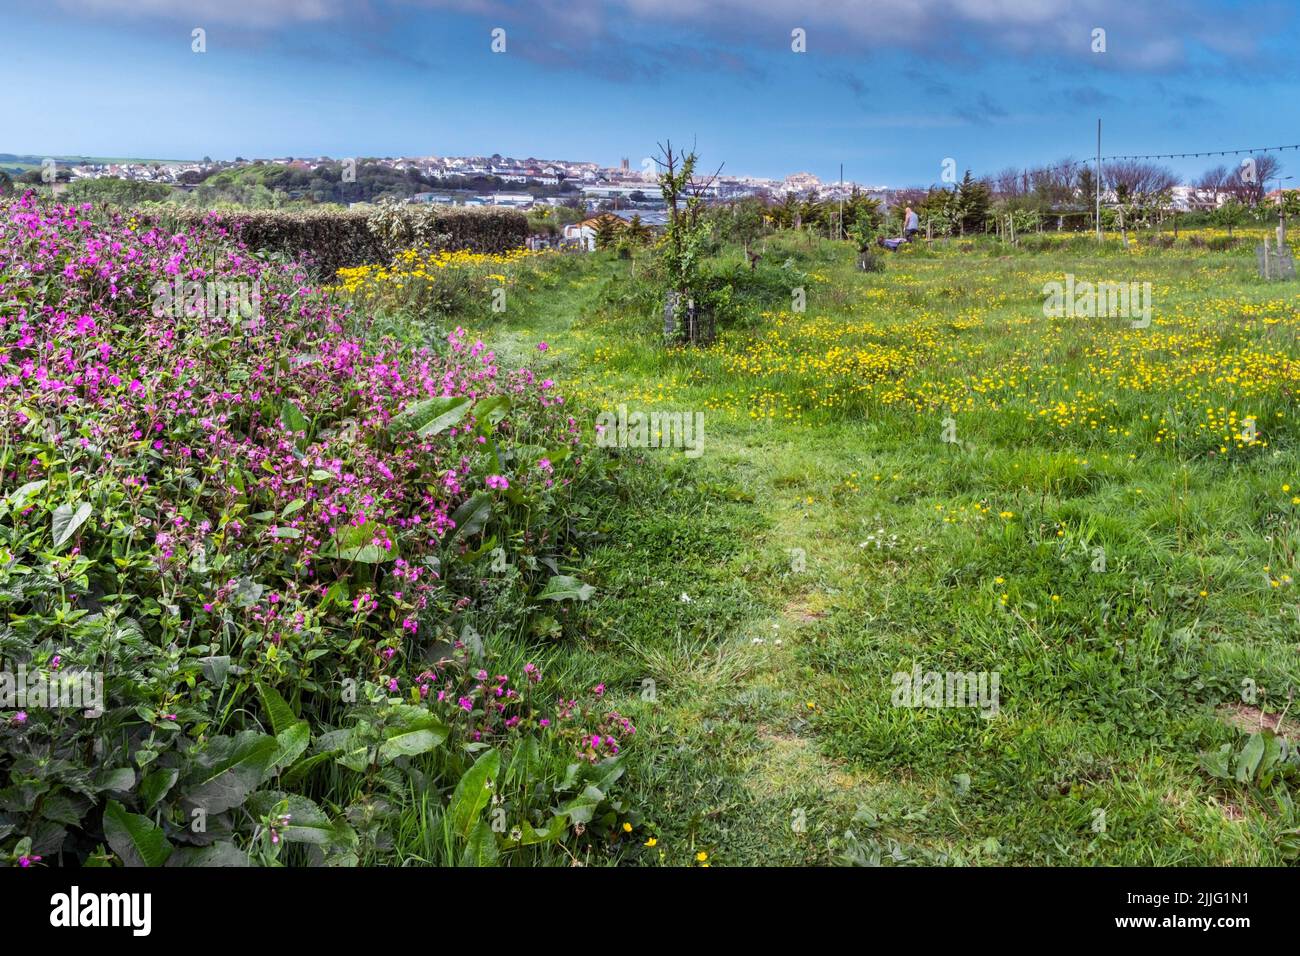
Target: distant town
521,183
588,188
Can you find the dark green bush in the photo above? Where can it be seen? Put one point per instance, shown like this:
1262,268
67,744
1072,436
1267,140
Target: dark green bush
337,239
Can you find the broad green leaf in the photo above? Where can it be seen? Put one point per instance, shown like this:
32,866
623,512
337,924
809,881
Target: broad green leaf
528,835
472,514
154,785
416,737
356,543
564,587
19,497
473,792
293,418
1249,758
118,780
232,779
247,592
292,743
482,847
295,774
134,838
491,410
431,416
67,520
218,854
277,708
215,668
308,823
581,808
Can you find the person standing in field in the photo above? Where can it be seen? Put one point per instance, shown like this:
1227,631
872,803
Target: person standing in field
911,223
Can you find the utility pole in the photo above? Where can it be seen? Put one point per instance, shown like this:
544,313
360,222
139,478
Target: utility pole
841,229
1099,179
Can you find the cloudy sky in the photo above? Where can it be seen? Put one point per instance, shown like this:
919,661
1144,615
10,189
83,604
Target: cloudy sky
889,88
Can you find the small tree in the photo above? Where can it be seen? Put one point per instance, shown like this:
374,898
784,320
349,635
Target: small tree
686,239
637,232
1231,214
608,229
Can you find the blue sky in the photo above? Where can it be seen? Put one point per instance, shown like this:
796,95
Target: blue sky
890,88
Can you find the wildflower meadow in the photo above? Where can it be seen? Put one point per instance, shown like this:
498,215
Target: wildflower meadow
454,560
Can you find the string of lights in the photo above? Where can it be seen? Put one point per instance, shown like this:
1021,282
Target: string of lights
1209,152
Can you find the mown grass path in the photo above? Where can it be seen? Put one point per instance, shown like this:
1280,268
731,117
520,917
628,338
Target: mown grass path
919,472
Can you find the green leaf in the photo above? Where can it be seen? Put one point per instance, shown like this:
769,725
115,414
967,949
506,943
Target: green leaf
292,743
19,497
120,779
472,514
491,410
218,854
154,785
67,521
473,792
431,415
581,808
528,835
414,737
308,823
277,709
563,587
295,774
247,592
355,543
215,668
1249,758
233,777
482,847
293,419
134,838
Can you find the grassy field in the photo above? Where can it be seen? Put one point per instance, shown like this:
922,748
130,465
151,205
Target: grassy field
922,471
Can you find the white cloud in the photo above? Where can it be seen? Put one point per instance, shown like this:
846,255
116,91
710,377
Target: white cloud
1153,35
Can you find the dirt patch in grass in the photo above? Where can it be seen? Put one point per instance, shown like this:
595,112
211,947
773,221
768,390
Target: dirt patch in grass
1252,720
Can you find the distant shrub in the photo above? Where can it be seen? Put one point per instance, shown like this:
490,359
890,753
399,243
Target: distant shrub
123,192
335,239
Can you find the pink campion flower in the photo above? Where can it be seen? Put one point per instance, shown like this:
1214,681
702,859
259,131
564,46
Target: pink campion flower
26,861
497,481
544,464
392,686
599,690
19,718
542,346
466,704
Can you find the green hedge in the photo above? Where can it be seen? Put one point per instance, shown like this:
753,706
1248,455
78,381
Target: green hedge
335,239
